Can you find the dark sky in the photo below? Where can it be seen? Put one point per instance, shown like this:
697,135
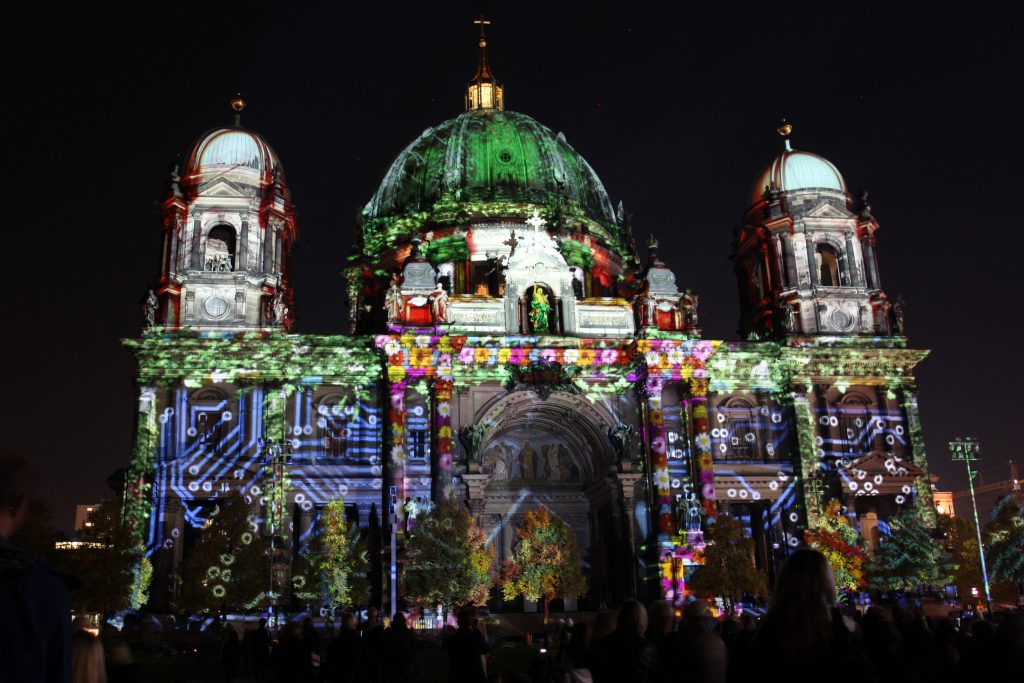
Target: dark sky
675,108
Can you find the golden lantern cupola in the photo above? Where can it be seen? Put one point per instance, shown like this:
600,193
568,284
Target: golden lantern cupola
484,91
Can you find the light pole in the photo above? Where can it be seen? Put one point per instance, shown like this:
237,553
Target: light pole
969,450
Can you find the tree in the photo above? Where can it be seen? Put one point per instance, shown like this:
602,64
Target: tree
1004,549
545,562
105,563
728,568
960,542
37,534
228,568
839,542
909,558
449,561
339,558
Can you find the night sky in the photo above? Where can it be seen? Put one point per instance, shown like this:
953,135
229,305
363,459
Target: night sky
674,107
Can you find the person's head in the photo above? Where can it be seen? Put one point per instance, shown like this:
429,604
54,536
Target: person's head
14,494
800,616
398,621
632,617
806,579
348,621
371,615
697,612
660,618
307,624
467,617
263,622
87,665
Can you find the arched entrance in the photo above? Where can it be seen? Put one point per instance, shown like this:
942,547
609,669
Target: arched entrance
554,452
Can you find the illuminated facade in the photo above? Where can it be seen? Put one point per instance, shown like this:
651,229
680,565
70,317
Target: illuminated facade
508,346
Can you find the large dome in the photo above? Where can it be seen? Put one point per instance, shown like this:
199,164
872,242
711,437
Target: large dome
233,147
794,170
489,155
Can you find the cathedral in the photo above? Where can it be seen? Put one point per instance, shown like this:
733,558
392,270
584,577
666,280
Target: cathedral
508,346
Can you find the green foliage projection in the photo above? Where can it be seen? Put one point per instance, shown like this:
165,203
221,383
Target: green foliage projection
1005,547
229,567
340,558
449,562
545,562
908,559
728,570
443,249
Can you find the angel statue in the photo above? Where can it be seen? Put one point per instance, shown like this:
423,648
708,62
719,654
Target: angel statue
540,311
150,308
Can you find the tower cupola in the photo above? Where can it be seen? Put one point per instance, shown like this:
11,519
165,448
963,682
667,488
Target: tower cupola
229,225
484,91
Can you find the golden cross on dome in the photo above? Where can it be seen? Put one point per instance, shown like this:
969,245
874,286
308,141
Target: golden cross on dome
483,22
536,221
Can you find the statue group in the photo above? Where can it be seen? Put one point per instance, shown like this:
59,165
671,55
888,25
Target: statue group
549,462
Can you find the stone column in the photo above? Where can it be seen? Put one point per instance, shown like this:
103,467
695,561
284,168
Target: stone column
803,414
704,476
396,457
812,261
629,480
197,243
657,454
242,255
442,471
476,485
923,500
268,249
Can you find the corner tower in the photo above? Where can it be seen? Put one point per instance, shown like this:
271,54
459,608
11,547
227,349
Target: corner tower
805,257
229,225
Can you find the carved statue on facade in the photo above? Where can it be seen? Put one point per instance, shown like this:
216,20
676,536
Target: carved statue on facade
439,304
690,301
577,282
496,273
472,437
896,314
150,307
786,319
540,311
278,309
393,303
621,437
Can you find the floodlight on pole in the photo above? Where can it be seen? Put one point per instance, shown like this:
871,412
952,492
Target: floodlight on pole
969,450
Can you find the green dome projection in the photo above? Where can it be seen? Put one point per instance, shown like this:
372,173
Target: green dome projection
488,155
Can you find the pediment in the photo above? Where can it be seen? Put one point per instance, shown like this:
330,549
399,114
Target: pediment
222,187
884,464
828,210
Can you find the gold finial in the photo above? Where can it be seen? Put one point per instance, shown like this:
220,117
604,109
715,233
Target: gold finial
237,103
785,129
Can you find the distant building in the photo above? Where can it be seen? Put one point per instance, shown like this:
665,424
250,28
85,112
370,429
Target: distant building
82,513
943,502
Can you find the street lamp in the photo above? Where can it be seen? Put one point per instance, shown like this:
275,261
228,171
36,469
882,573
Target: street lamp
969,450
275,455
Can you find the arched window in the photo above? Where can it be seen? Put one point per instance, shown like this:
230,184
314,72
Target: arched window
220,249
332,423
828,266
856,424
740,428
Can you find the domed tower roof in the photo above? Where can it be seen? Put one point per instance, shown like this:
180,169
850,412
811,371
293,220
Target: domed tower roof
490,155
795,170
233,147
